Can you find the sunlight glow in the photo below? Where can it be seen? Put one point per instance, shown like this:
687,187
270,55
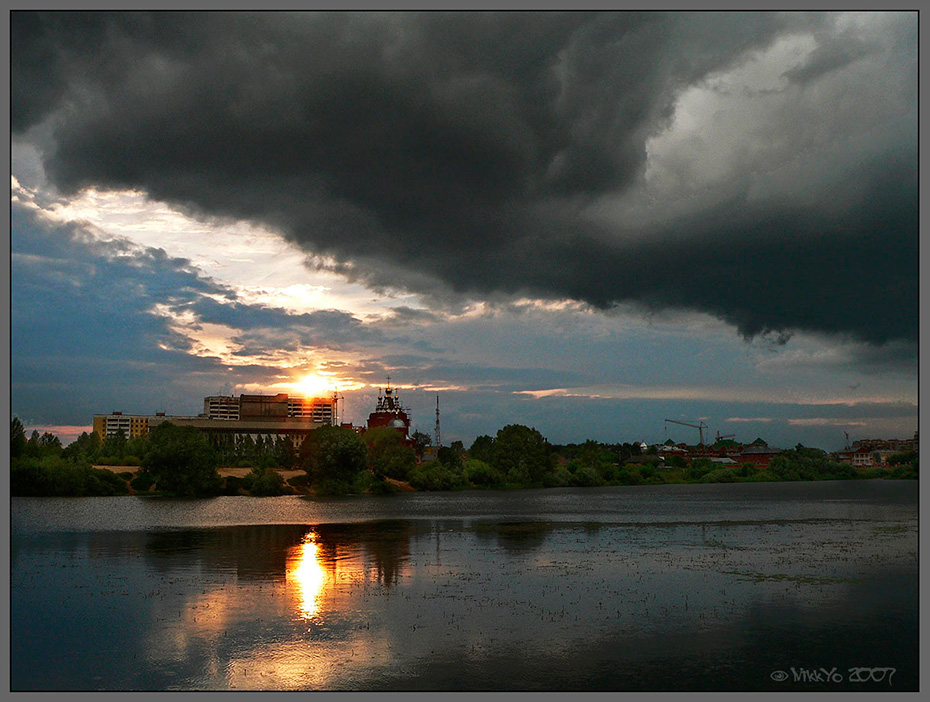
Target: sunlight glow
308,573
314,385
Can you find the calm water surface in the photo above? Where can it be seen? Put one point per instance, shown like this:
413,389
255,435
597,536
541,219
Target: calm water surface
685,587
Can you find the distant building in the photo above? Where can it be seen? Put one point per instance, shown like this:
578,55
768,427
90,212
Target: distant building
671,447
758,453
390,413
227,407
266,416
221,407
860,457
132,425
893,445
724,461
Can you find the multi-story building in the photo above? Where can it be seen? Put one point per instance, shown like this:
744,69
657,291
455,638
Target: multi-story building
268,416
221,407
894,445
227,407
132,425
318,409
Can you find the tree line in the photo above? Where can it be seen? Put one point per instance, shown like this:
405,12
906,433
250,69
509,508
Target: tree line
178,460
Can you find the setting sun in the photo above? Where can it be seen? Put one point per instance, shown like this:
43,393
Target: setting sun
313,385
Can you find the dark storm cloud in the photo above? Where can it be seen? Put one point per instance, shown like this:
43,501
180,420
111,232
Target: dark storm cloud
444,152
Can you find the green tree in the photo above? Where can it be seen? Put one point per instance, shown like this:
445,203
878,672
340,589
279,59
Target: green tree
482,449
901,458
284,453
40,445
114,445
245,450
388,455
49,444
17,438
86,447
421,440
136,446
32,445
450,458
333,457
181,460
522,454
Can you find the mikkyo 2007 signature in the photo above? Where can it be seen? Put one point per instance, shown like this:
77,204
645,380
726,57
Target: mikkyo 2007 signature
834,675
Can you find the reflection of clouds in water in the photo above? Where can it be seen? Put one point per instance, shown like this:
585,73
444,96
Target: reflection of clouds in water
240,600
366,605
333,664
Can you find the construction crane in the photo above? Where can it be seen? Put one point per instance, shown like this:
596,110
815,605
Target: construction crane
700,427
725,436
337,404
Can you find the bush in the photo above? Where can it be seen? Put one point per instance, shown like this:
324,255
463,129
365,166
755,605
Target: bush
143,482
327,488
366,481
585,476
904,471
434,476
55,476
299,481
629,475
266,482
657,478
720,475
480,473
902,458
699,468
233,484
103,482
559,477
746,470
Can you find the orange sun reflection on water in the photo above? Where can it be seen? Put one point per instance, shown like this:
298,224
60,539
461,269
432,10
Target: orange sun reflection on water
309,575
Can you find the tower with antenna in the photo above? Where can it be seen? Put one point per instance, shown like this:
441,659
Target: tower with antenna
438,439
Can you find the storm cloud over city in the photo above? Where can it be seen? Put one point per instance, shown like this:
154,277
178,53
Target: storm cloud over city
584,222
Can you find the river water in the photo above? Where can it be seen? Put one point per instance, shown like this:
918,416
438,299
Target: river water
763,586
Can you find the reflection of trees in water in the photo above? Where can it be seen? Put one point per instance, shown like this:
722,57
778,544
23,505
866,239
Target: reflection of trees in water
385,544
258,552
515,536
262,552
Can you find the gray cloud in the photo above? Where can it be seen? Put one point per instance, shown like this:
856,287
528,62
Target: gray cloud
85,338
457,153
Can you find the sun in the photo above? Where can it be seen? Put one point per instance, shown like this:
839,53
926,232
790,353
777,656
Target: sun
313,385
